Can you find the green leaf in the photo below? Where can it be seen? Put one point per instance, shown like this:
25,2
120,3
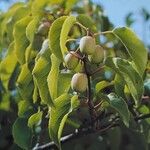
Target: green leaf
35,92
69,4
24,108
40,73
132,79
65,81
7,66
20,13
101,85
35,40
25,83
54,36
20,39
67,25
53,75
120,105
31,28
38,6
134,46
64,105
86,21
119,85
22,134
35,119
13,14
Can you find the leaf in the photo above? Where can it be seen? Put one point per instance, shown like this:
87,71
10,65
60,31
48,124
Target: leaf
101,85
67,25
86,21
52,78
35,39
120,105
31,28
54,37
10,61
64,105
38,6
69,4
65,81
40,73
22,134
20,13
24,108
20,39
132,79
35,119
119,85
134,46
25,83
13,14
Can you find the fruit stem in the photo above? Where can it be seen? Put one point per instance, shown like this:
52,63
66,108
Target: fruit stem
92,111
103,33
82,26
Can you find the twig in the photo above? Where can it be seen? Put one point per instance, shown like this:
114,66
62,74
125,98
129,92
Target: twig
82,26
145,116
75,135
103,33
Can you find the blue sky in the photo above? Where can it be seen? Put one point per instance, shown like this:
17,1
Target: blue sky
116,10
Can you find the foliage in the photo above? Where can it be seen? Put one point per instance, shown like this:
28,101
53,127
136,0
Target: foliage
37,103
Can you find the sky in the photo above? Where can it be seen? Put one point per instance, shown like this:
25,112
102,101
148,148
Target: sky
116,10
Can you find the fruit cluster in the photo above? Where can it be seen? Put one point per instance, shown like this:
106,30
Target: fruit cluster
93,52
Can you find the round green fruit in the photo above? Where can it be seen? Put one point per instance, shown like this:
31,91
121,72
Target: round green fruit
43,28
79,82
87,45
98,55
71,60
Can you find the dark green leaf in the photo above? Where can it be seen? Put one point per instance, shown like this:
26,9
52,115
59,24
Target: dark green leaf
120,105
22,134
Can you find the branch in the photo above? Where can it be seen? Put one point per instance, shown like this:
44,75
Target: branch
145,116
76,134
87,131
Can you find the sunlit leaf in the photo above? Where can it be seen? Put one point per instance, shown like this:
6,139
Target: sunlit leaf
54,36
20,39
132,79
64,105
10,61
35,119
135,47
67,25
53,77
25,83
